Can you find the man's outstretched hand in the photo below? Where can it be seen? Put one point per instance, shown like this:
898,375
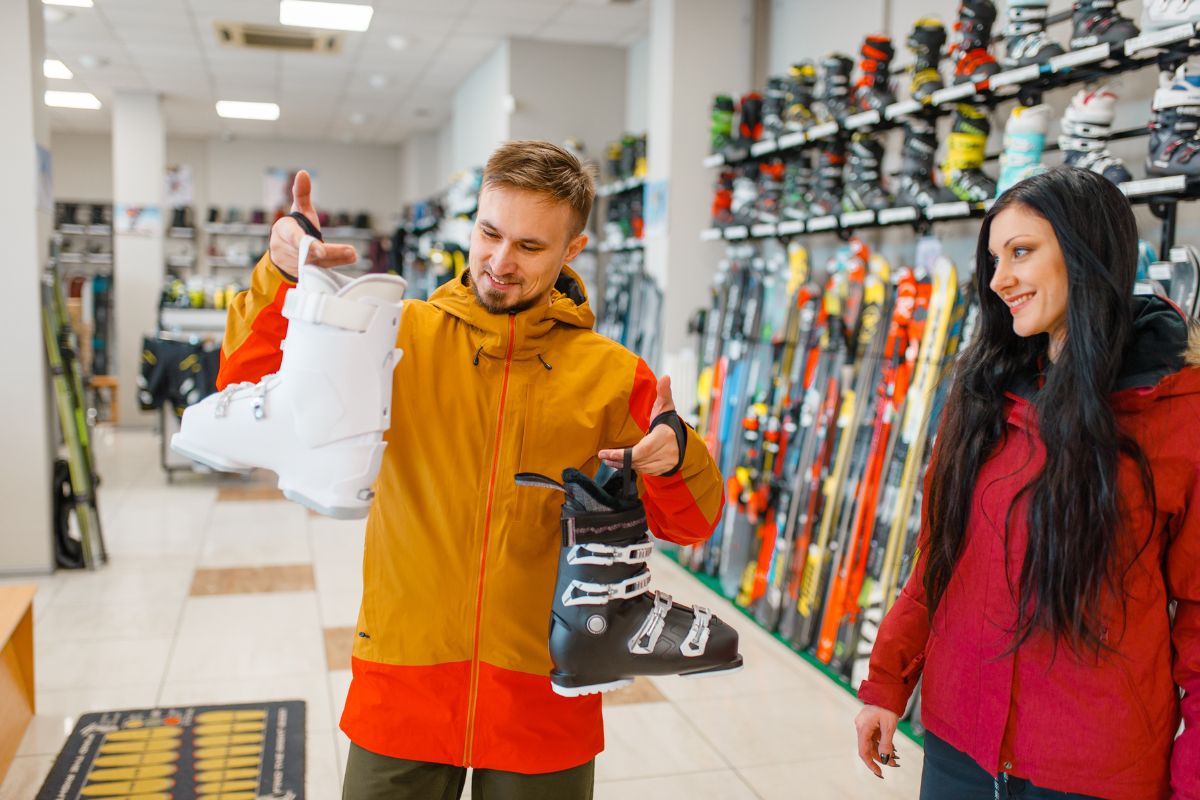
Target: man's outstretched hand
658,451
286,234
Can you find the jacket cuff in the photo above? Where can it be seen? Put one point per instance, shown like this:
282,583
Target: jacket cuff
893,697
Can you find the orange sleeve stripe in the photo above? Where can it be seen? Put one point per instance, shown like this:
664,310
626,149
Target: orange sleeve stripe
255,328
675,504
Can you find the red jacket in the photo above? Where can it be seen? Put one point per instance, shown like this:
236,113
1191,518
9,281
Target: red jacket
1102,726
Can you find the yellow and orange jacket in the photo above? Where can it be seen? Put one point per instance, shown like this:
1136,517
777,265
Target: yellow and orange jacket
450,660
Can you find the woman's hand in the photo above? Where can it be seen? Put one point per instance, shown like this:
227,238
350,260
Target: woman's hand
875,727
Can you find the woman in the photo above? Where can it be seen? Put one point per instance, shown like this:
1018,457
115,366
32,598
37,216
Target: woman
1061,519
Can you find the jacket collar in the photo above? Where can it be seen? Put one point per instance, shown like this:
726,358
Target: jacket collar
567,305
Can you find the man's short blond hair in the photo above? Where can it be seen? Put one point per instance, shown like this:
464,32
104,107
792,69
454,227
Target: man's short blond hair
546,169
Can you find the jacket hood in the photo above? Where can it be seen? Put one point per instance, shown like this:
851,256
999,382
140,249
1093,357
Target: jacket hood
1160,356
567,305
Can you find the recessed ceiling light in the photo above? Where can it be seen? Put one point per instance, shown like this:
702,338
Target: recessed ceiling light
53,68
89,61
397,42
72,3
237,109
326,16
72,100
377,81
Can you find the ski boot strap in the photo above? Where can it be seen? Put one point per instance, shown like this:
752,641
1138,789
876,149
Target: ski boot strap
320,308
601,525
584,593
605,555
646,638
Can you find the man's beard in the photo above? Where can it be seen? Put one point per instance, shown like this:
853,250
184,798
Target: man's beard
493,308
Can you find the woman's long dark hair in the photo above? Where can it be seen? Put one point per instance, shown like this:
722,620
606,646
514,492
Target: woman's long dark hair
1074,512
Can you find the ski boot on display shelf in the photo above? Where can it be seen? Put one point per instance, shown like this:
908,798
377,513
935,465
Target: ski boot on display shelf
1175,122
972,61
606,626
770,191
835,97
750,119
916,185
1025,40
1159,15
926,41
1086,126
1098,21
797,186
963,168
722,206
1024,141
744,197
827,191
873,92
319,421
774,99
1178,280
720,128
798,110
864,175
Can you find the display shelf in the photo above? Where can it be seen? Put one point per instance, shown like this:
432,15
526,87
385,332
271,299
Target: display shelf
617,187
1068,69
99,258
181,262
1167,189
237,229
192,320
621,247
218,261
181,233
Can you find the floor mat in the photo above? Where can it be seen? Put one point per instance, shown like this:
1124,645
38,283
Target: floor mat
248,751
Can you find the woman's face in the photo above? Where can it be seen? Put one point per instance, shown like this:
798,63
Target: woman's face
1030,274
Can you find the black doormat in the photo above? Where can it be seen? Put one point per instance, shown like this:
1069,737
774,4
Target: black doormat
232,752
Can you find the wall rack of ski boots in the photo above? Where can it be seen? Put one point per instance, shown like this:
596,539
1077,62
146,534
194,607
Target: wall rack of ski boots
1160,194
617,189
1158,48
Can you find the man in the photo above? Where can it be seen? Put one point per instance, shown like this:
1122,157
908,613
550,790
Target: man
501,374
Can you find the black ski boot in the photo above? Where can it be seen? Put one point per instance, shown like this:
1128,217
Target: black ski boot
722,207
774,99
874,89
743,202
750,119
770,191
916,186
835,86
926,41
972,61
863,175
606,626
1175,123
720,126
827,193
1026,41
1098,21
797,186
963,168
798,112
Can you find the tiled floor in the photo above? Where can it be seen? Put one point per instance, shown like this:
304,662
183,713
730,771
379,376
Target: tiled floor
219,591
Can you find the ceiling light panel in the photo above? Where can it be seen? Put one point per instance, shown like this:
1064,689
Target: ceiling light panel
325,16
237,109
53,68
85,100
71,3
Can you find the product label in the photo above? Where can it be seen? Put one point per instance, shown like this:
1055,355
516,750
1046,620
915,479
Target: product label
1159,38
1160,271
790,227
823,223
862,120
856,218
946,210
763,147
889,215
822,131
901,109
952,93
1076,58
737,232
1169,184
791,139
1019,75
710,234
715,160
764,229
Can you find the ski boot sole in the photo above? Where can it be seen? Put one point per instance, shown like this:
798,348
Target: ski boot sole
337,512
737,665
207,459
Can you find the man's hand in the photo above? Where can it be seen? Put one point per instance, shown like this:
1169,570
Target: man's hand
658,451
286,234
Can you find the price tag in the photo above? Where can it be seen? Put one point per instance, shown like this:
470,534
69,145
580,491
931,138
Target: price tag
1160,271
790,227
792,139
856,218
715,160
823,223
737,232
1168,185
947,210
952,93
1019,75
890,215
822,131
764,147
733,155
901,109
1159,38
1076,58
764,229
710,234
862,120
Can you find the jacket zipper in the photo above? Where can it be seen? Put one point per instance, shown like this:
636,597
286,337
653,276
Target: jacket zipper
487,529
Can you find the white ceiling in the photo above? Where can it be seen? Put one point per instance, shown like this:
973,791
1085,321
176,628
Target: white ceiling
170,47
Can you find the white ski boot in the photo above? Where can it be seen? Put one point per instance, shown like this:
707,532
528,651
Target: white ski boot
319,421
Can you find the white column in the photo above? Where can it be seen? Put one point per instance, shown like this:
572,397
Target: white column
698,48
139,161
25,422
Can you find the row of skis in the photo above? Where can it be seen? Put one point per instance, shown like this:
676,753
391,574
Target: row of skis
820,394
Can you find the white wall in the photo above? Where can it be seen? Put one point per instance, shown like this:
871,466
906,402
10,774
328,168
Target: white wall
82,166
637,86
481,117
567,91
